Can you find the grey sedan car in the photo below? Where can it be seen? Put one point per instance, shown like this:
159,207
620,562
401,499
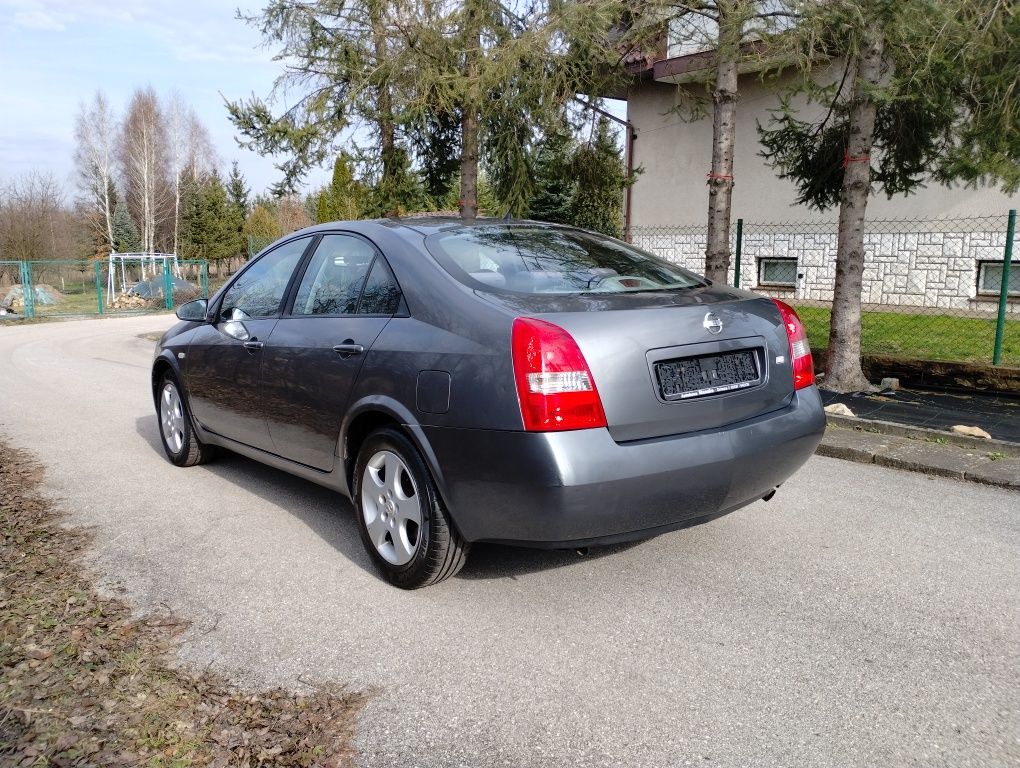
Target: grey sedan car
500,381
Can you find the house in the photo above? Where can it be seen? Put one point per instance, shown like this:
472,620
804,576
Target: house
937,248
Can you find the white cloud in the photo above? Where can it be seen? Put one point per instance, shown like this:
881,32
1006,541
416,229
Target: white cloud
38,19
196,47
223,52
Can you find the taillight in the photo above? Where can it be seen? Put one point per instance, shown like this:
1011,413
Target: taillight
554,384
800,349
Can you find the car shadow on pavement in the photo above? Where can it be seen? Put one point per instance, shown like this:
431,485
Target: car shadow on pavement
498,561
331,516
326,513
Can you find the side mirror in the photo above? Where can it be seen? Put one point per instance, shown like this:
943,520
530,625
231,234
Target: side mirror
193,311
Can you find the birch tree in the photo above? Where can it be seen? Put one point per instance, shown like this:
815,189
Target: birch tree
189,152
144,166
95,141
177,113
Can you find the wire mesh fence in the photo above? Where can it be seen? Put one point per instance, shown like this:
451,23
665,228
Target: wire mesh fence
87,287
931,289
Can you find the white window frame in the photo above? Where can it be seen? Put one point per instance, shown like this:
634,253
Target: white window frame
762,260
1014,270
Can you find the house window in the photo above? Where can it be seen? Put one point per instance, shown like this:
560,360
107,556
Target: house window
779,272
990,278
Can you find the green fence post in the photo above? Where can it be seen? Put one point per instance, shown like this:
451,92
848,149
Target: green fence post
168,285
27,291
1007,261
736,260
205,279
99,287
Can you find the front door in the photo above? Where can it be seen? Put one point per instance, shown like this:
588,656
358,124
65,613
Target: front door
224,360
312,359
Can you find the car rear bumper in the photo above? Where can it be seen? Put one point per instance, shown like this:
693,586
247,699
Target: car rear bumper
578,488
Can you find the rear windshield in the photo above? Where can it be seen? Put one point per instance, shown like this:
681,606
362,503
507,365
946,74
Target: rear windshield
546,260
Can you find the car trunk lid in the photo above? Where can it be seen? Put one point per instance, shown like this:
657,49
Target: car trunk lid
694,362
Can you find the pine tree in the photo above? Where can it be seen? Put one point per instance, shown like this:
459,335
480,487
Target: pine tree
237,189
435,140
490,75
489,203
237,208
207,228
923,93
554,182
189,231
597,203
736,31
344,198
399,192
125,233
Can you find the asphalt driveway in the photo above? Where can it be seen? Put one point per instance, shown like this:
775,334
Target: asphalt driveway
863,617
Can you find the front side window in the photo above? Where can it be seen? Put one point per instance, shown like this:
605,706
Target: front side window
260,288
333,281
526,259
990,278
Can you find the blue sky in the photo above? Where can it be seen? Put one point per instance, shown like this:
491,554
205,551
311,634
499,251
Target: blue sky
54,54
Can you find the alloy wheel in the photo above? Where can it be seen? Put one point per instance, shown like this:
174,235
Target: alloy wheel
391,506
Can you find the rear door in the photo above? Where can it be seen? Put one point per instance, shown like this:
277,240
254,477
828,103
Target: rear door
312,359
224,360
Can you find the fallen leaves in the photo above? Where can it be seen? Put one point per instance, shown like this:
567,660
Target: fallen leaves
85,683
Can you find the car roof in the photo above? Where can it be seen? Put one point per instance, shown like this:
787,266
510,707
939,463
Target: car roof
422,224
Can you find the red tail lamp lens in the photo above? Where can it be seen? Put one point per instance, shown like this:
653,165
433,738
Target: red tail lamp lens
800,349
554,385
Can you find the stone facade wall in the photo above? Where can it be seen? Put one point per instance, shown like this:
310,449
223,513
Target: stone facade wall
928,265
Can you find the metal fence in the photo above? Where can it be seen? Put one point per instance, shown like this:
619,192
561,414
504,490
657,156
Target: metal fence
53,288
936,289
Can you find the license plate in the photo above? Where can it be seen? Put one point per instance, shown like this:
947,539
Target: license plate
707,374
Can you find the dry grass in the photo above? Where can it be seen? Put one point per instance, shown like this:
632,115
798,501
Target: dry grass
85,683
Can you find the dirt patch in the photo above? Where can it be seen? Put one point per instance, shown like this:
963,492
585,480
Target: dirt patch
83,682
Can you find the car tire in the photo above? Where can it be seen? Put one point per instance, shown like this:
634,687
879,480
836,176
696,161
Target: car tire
180,443
403,523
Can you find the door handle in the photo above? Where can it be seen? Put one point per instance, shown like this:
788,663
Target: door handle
348,349
253,345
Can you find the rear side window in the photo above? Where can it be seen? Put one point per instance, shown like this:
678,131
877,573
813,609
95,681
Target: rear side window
533,259
334,278
381,295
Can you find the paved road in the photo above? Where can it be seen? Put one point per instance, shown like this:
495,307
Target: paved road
865,617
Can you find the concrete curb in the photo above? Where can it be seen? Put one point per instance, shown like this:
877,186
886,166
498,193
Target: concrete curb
985,464
923,433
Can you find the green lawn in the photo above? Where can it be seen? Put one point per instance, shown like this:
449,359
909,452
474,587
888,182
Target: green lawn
925,337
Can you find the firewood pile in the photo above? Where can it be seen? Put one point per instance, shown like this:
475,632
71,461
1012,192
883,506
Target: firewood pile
134,301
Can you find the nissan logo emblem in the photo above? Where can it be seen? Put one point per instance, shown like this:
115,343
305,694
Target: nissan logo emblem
712,323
